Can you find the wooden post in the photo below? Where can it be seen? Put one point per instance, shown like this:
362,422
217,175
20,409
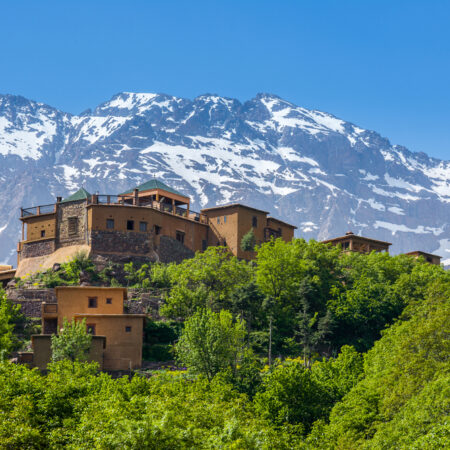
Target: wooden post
38,210
187,211
23,231
173,206
136,197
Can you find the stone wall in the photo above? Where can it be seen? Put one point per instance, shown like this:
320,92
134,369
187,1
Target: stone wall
171,250
30,300
38,248
130,242
64,212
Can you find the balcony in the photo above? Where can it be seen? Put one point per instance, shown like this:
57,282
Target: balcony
127,201
37,210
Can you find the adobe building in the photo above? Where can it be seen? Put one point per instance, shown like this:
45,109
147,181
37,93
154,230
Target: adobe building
117,336
231,222
7,273
151,222
429,257
352,242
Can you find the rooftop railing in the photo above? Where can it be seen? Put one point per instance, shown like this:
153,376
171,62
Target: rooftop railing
122,200
37,210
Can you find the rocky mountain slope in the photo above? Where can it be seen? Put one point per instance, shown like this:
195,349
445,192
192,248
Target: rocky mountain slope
307,167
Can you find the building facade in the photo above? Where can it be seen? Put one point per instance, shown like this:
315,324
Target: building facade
151,222
117,336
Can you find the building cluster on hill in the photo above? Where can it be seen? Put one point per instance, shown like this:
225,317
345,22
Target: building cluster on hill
149,223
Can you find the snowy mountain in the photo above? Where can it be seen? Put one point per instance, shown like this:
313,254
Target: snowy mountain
307,167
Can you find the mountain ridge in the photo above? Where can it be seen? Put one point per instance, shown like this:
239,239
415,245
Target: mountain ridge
307,167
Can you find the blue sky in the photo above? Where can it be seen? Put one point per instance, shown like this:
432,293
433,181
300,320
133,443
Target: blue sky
384,65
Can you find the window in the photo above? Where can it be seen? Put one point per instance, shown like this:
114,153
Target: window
280,232
128,329
142,226
110,224
218,220
254,221
224,219
180,236
157,229
73,225
204,244
345,245
92,302
42,233
130,224
90,328
109,301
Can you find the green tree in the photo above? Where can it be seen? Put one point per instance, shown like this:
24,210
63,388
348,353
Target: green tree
8,312
291,395
403,399
211,342
248,241
205,281
73,342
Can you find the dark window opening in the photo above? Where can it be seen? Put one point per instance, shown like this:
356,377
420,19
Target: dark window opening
157,229
128,329
73,225
42,233
345,245
90,328
142,226
429,259
218,220
254,222
109,301
280,233
180,236
92,302
110,224
224,219
130,224
204,244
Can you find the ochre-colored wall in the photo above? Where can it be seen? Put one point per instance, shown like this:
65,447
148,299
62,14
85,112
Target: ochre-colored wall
42,350
195,232
239,222
35,224
75,300
123,349
287,233
226,229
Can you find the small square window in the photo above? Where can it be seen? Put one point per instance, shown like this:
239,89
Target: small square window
42,233
90,328
128,329
109,301
110,224
180,236
92,302
130,224
142,226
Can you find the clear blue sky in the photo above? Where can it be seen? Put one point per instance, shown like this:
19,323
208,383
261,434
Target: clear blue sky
384,65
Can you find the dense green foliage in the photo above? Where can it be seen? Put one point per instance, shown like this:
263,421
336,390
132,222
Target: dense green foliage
72,342
7,315
359,345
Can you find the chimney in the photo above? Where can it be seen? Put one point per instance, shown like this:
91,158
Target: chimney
349,233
